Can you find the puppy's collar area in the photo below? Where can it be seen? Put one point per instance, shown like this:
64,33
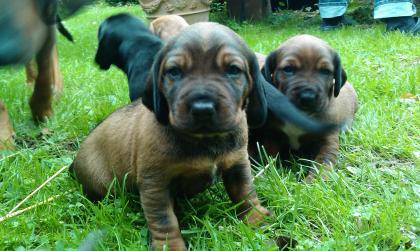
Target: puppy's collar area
206,145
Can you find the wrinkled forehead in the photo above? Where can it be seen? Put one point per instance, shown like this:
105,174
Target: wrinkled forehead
207,39
306,48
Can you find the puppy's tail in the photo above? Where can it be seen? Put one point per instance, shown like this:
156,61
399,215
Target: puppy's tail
63,30
282,109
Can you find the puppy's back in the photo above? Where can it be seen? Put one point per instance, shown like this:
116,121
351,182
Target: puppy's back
344,107
105,153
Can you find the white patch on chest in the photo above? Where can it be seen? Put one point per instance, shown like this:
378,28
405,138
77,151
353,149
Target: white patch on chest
293,133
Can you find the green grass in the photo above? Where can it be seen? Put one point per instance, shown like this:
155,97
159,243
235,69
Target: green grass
371,202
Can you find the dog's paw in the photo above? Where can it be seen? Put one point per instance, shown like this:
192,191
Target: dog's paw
256,215
176,244
41,109
322,171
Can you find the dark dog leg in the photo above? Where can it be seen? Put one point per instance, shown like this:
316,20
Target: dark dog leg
41,99
238,184
32,72
159,212
327,156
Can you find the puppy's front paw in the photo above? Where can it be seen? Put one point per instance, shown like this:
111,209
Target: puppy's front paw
176,244
256,215
323,171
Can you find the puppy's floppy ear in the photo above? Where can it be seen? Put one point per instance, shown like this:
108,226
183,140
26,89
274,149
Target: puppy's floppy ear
340,76
106,54
269,66
257,106
153,98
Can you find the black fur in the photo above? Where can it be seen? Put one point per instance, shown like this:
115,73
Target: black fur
268,67
63,30
340,76
124,41
257,107
153,98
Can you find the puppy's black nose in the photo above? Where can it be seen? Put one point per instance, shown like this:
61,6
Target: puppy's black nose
307,97
203,109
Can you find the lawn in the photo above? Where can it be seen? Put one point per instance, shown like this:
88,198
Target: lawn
370,202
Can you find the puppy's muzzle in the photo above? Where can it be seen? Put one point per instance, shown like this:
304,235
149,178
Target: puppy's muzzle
203,110
307,97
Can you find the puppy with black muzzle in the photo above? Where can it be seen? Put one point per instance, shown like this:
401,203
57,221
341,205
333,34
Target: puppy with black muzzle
191,124
309,72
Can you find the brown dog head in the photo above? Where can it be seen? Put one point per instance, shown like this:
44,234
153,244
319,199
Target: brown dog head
168,26
307,70
203,79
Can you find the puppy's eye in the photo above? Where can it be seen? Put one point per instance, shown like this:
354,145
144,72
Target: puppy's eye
289,70
174,73
325,71
233,71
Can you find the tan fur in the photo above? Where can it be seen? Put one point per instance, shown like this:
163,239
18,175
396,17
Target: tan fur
309,54
6,130
131,143
260,58
168,26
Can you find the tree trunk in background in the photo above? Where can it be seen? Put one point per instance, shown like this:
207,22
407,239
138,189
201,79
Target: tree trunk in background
248,9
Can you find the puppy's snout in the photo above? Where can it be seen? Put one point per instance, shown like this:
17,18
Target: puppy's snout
308,97
202,109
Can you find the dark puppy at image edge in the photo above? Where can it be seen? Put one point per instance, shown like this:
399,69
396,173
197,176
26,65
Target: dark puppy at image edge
126,42
191,125
27,31
309,72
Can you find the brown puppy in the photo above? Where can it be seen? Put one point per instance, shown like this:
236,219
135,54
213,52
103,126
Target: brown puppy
167,27
309,72
205,87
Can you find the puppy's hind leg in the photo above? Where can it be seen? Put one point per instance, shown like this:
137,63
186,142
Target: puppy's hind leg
41,100
94,179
